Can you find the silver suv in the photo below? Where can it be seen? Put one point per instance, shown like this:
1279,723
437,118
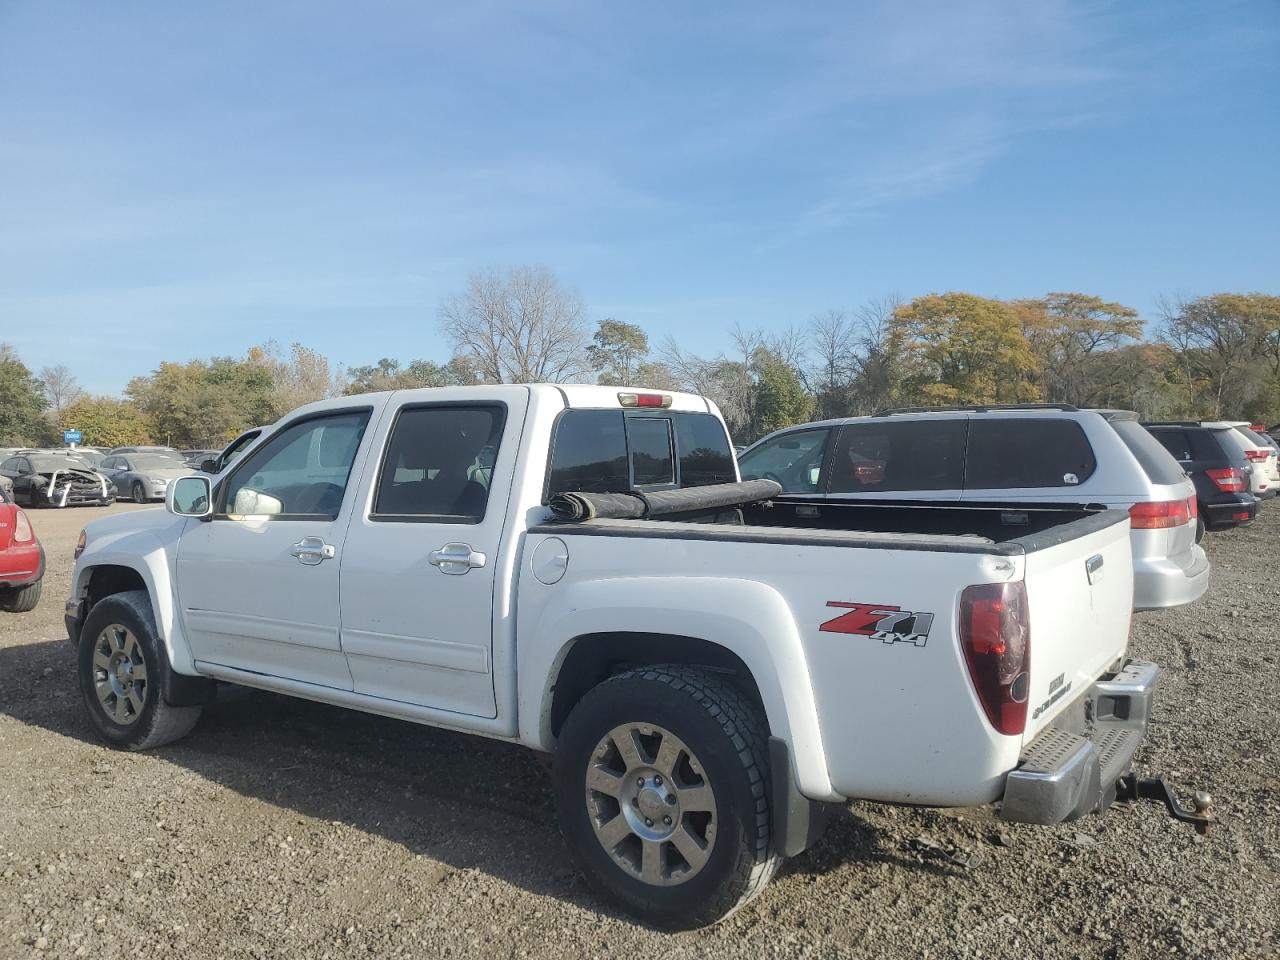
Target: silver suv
1028,452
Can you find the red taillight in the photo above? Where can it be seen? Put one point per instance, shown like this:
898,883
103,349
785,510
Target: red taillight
1159,516
1257,456
1193,507
22,532
1228,479
1240,516
995,635
1258,427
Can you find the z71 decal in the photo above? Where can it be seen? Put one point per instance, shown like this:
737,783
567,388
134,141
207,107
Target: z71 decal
880,621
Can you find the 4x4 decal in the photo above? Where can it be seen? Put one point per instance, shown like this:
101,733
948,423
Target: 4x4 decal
880,621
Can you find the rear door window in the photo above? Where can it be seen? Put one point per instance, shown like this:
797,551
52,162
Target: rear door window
899,455
793,459
439,464
1009,453
1156,462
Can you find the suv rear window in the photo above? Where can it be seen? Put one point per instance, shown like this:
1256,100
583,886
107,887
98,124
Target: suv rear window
590,451
1177,442
881,455
1007,453
1155,460
1252,437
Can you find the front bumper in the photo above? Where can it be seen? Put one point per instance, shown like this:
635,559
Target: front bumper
1064,773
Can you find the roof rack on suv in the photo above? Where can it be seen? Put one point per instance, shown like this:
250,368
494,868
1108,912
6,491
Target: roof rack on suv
982,408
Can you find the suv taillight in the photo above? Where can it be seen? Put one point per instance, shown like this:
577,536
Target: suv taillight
1228,479
22,529
1160,515
1193,507
995,635
1257,456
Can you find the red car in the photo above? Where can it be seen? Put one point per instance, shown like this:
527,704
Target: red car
21,559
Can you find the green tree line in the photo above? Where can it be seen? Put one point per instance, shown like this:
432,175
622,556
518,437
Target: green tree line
1205,357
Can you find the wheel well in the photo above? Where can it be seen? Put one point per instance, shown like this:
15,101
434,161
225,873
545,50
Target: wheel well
106,580
595,657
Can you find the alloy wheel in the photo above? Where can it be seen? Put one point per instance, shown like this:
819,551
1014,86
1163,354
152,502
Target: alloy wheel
650,804
119,674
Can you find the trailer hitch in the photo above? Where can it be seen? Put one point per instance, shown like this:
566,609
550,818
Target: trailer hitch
1199,815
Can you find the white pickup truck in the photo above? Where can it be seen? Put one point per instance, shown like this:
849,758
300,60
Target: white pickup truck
709,668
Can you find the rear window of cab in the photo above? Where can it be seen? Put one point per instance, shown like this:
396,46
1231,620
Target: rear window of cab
612,451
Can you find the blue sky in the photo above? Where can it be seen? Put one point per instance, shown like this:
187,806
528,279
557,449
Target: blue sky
182,180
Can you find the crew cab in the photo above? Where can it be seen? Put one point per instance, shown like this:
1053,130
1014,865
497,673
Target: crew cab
579,569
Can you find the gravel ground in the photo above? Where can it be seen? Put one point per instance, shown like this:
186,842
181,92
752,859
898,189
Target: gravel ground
283,828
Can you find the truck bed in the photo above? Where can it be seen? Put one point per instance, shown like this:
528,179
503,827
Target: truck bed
797,564
900,525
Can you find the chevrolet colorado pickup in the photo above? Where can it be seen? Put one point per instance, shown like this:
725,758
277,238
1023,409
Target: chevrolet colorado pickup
579,570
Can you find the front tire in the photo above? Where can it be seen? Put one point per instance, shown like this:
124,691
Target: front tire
120,665
21,599
139,493
662,791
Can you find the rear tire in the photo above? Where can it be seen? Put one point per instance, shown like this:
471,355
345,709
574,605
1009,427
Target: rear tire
120,665
674,824
21,599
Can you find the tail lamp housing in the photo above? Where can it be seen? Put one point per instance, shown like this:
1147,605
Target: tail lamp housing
995,635
1228,479
22,532
1161,514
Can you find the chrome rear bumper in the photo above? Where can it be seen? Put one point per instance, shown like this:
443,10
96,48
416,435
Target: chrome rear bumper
1061,774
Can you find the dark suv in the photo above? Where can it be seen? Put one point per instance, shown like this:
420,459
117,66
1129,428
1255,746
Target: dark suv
1219,473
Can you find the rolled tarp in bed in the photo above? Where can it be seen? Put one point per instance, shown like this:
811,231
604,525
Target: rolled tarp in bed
637,506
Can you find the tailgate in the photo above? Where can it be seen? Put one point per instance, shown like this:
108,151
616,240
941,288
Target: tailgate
1080,597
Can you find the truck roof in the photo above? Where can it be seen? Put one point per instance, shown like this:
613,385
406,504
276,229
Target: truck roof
572,395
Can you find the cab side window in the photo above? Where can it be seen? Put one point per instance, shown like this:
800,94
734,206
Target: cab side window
439,464
300,473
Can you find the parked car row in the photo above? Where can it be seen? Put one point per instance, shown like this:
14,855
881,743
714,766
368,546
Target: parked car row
1177,479
1029,453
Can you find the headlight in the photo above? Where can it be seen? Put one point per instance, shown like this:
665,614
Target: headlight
80,545
158,480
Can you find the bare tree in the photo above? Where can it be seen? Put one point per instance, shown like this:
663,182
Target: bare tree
521,326
60,388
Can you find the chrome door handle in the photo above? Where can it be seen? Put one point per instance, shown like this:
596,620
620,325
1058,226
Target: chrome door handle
1093,568
312,550
456,558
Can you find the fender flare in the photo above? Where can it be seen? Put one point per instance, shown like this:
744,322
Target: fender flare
746,617
147,557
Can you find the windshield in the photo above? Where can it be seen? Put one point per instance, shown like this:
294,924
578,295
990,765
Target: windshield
49,464
156,461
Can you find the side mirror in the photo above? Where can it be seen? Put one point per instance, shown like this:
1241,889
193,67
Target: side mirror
190,497
208,465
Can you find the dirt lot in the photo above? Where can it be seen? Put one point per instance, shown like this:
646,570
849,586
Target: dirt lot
282,828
